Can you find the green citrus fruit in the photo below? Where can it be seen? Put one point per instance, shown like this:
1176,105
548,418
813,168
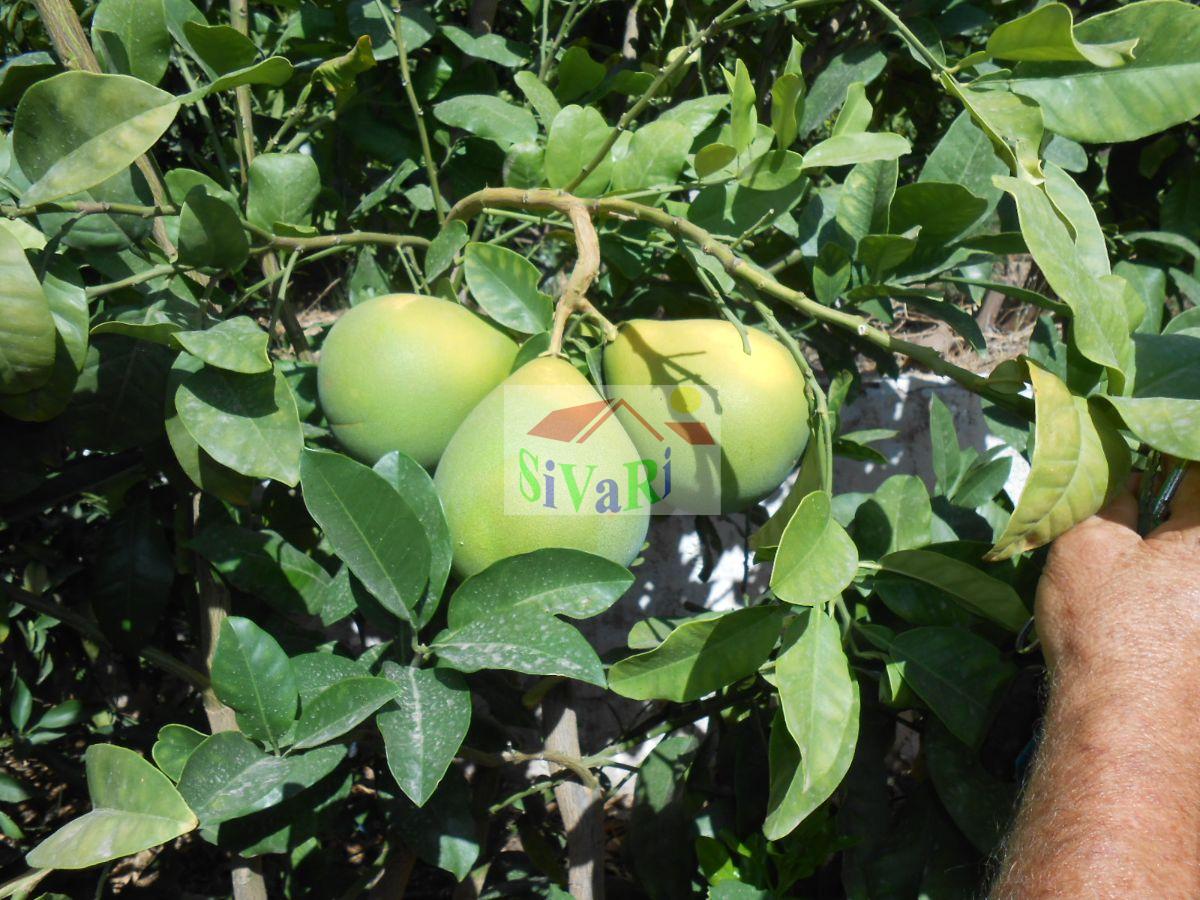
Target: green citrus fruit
507,491
700,371
401,372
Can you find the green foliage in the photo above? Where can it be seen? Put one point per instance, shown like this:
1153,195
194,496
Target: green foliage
310,648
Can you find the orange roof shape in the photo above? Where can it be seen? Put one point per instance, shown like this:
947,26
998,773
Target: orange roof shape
571,423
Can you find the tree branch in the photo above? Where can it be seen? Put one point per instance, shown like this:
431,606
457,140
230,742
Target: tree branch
740,268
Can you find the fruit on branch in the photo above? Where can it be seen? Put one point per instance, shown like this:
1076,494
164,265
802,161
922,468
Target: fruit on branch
538,464
401,372
701,371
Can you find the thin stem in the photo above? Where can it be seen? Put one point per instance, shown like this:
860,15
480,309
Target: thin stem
742,269
239,18
281,295
397,33
664,74
150,274
564,26
911,39
201,107
289,123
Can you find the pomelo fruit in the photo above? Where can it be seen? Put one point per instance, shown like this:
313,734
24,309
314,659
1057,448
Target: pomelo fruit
507,491
758,400
401,372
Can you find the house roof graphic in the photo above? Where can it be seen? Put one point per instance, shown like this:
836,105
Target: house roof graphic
575,424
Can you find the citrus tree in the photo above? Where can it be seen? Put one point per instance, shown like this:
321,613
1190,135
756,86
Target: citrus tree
282,657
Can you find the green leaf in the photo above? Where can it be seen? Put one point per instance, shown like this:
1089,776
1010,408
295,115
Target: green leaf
246,422
700,656
317,671
227,776
135,807
424,727
787,106
443,832
1012,123
576,74
219,48
1100,327
132,576
413,483
743,115
282,188
966,156
1047,35
491,47
274,71
866,197
860,63
981,805
340,74
1164,410
210,233
444,247
1073,203
896,517
773,170
27,333
236,344
1079,461
505,285
855,115
131,38
174,745
18,72
252,675
654,158
489,118
817,694
118,397
204,471
576,133
553,581
971,588
78,129
848,149
370,527
795,792
957,673
521,640
1159,88
540,97
944,211
816,559
340,707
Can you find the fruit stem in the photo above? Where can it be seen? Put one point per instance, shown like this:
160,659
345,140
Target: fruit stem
741,268
587,266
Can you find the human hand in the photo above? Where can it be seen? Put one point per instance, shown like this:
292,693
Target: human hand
1113,603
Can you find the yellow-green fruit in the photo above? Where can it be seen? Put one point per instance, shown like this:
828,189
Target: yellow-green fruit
760,405
401,372
507,492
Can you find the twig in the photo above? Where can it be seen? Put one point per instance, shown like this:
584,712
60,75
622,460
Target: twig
397,33
742,269
664,73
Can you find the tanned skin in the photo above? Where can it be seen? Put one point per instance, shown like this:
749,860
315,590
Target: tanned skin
1112,809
